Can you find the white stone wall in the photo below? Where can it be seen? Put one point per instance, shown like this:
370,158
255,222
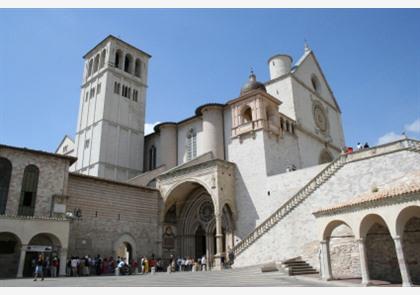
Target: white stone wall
282,90
113,124
297,235
304,73
213,131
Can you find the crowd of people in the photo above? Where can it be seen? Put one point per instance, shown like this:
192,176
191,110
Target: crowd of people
45,266
359,146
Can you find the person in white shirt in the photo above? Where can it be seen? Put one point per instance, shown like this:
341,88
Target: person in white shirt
203,263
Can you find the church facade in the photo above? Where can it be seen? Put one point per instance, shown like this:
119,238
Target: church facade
254,175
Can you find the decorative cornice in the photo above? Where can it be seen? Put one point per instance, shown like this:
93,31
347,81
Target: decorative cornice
199,166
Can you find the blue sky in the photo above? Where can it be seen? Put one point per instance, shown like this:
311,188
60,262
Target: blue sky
371,59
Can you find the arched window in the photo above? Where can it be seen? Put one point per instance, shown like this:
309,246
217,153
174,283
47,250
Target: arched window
28,191
191,144
118,59
137,68
315,83
96,63
152,158
246,115
128,63
103,55
90,67
5,173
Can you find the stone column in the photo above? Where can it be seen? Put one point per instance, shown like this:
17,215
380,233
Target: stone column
21,261
363,263
63,261
219,242
405,274
325,261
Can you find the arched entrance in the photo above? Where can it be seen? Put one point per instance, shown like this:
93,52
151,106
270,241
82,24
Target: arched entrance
408,228
125,250
45,244
189,223
124,247
343,250
200,242
9,254
381,256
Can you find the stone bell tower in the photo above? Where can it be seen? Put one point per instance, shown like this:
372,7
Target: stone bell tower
110,128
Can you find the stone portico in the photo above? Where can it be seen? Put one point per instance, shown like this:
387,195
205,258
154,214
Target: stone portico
384,227
198,210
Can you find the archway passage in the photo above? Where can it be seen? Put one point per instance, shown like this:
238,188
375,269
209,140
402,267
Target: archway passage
343,251
381,255
200,242
190,218
125,250
45,244
411,247
9,254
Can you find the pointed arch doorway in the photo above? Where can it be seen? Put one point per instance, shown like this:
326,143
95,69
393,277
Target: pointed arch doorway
200,242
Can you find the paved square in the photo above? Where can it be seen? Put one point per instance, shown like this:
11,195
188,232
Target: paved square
247,277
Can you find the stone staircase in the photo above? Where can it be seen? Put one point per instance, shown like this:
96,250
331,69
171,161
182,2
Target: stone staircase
289,205
297,266
317,181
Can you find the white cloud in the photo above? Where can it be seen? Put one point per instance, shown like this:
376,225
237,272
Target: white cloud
390,136
148,127
413,127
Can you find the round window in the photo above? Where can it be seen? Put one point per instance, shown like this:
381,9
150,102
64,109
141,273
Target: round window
206,212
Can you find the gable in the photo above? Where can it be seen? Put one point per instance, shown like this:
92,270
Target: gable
308,71
66,146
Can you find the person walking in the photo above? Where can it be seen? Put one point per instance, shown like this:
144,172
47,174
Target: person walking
203,263
39,265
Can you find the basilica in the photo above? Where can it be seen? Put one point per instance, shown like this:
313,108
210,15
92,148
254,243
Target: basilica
265,175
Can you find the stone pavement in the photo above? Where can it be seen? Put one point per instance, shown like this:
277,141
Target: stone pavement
244,277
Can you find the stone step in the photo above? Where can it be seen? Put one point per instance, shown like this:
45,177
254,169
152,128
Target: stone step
306,272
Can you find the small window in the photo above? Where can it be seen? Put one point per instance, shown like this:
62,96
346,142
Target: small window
103,55
247,115
129,93
90,68
87,141
315,83
87,96
135,95
96,63
128,63
118,58
98,88
92,92
116,87
137,68
65,149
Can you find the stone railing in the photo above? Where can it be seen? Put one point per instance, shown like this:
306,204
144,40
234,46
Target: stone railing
289,205
21,217
317,181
